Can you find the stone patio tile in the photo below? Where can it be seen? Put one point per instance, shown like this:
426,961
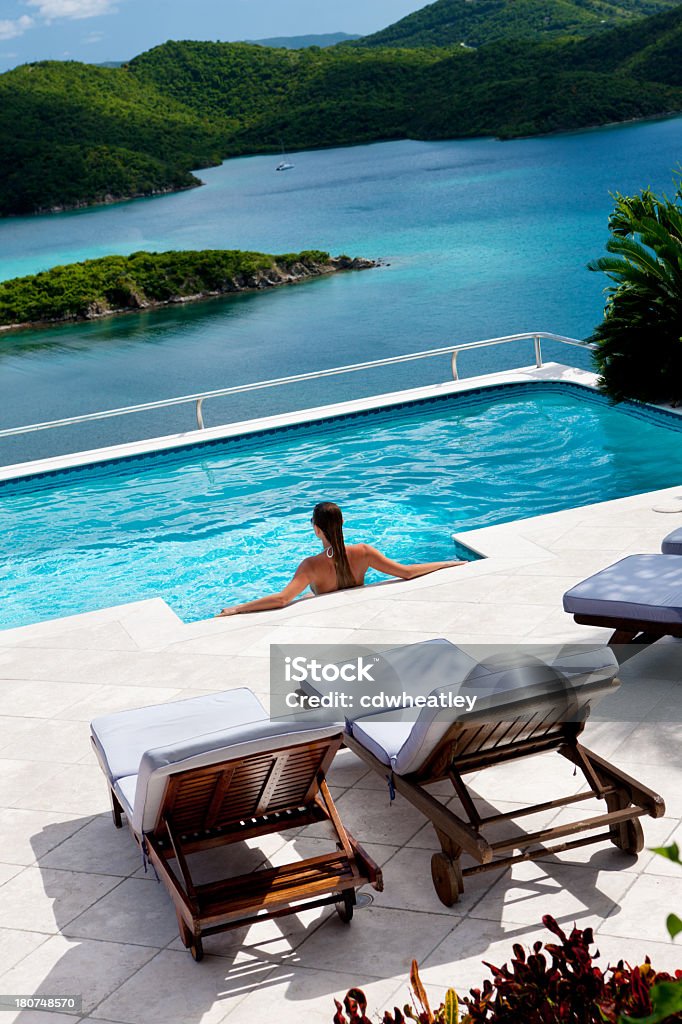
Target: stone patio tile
457,961
19,778
104,700
29,835
8,871
649,901
220,637
372,818
45,900
659,865
15,944
578,566
172,989
538,778
97,847
661,778
384,938
664,956
39,1017
19,696
56,742
661,660
653,743
566,891
75,789
294,634
293,993
353,615
408,885
133,912
105,636
385,639
62,966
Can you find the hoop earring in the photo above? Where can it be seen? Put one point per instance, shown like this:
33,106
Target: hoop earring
329,552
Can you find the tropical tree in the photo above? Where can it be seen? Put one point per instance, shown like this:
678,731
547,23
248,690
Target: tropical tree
639,342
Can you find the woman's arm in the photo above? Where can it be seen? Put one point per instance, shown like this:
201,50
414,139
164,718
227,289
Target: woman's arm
296,586
404,572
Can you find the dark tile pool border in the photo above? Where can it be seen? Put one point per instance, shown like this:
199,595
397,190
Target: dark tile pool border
462,399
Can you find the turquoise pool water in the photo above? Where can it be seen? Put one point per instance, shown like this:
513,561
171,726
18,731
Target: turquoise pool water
226,521
483,238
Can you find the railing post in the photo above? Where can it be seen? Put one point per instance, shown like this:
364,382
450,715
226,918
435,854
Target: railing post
454,365
200,415
538,351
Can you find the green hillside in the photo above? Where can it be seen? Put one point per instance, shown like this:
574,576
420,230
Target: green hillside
114,284
477,22
74,134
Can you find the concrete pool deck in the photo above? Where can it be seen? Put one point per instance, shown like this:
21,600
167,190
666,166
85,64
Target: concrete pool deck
79,915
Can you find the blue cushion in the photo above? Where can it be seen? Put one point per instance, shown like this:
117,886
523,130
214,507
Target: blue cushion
672,544
644,588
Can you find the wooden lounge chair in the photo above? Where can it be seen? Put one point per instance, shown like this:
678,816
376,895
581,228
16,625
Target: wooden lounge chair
522,709
213,771
639,598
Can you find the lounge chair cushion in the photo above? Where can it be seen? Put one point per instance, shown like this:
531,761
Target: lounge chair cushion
642,588
672,544
141,748
121,739
505,684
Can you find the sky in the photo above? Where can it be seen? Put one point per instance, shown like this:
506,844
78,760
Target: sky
102,30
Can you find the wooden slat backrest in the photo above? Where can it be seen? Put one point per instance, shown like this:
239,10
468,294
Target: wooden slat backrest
480,741
214,796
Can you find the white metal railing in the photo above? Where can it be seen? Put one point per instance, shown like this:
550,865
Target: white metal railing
199,399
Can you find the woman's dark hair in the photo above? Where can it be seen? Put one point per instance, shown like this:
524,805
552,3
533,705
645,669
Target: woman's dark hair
328,517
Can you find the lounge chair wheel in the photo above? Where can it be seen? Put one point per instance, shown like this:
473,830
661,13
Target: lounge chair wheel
197,950
344,908
447,879
629,837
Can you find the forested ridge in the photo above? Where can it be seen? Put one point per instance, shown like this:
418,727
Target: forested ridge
73,134
111,284
478,22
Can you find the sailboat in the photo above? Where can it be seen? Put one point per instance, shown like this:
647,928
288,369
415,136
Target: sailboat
284,164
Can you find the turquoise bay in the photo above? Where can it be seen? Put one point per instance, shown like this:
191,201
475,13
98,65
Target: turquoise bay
481,238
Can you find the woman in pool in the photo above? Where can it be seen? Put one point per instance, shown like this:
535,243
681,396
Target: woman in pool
337,568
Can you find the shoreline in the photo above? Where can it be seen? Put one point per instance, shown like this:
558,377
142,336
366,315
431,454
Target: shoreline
113,201
263,280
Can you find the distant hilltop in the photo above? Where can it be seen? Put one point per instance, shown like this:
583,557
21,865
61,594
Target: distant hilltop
303,42
74,134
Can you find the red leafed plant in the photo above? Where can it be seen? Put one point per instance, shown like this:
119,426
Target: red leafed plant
557,983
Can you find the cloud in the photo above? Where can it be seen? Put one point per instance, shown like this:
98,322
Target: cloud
51,9
93,37
17,27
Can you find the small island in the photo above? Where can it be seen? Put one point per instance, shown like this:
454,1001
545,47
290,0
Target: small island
144,280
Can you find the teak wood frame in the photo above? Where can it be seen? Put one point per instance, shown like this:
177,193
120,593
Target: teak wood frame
631,631
472,747
221,804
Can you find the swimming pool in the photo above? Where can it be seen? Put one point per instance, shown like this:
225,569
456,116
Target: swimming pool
225,521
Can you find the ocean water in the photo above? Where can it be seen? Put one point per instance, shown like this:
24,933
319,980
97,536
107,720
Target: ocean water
480,238
226,522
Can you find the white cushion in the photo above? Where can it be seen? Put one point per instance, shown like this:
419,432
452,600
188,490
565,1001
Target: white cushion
644,588
566,684
141,748
213,748
567,679
672,544
122,738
